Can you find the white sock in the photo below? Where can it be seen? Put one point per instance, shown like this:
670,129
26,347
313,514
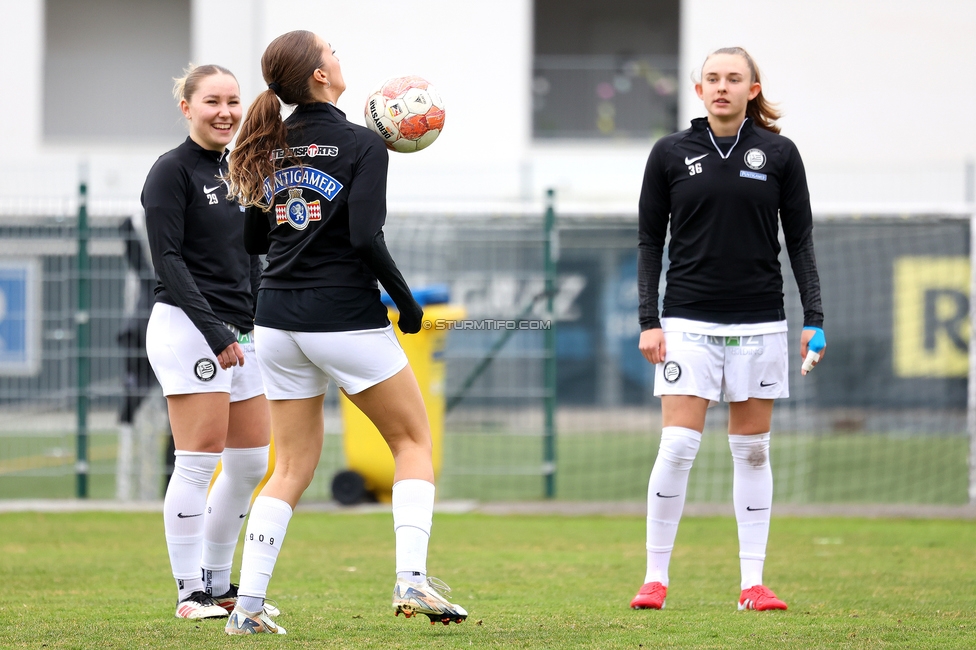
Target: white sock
666,492
227,506
262,540
183,516
752,496
413,513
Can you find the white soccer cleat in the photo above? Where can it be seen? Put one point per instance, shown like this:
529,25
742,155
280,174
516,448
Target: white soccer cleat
199,605
242,622
411,598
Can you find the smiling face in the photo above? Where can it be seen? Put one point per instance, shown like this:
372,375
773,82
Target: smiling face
726,87
214,111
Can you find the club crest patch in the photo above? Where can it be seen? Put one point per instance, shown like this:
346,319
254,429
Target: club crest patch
755,159
205,369
297,211
672,372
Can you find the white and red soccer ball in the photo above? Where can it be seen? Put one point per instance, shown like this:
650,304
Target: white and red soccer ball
407,112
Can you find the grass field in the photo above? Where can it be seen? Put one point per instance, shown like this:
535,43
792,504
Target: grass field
101,580
608,466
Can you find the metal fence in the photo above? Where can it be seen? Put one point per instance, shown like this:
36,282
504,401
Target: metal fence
883,420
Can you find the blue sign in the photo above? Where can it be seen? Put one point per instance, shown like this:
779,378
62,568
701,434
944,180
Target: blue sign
20,320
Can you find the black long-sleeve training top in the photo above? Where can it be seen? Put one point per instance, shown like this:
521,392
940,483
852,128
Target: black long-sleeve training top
724,207
195,234
324,234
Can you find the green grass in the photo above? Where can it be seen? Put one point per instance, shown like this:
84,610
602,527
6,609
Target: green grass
808,468
101,580
842,468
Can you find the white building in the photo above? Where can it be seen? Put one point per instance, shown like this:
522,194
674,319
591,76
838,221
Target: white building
874,92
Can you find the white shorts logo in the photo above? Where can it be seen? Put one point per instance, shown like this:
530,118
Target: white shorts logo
672,372
205,370
755,159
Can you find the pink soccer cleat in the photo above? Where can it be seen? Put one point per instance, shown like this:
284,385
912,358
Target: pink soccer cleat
760,598
650,596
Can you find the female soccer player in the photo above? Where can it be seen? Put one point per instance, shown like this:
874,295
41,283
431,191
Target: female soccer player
199,344
316,185
721,185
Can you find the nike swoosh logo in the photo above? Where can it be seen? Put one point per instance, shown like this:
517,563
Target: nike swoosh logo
668,496
182,516
208,190
751,509
244,515
689,161
765,385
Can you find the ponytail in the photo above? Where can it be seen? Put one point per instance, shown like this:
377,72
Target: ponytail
250,162
287,65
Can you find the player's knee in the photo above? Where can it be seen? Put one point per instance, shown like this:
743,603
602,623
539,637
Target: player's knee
679,447
751,451
195,468
247,466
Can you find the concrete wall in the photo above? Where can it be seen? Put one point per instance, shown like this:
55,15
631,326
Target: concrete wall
873,92
457,46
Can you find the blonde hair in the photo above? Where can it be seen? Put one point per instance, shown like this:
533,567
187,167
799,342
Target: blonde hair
761,110
184,87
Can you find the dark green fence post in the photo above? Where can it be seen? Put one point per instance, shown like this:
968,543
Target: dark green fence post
551,256
82,330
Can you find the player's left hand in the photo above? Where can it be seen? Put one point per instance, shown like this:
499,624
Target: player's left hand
812,339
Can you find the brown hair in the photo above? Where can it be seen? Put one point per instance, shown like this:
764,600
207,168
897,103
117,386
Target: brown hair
186,86
759,108
287,65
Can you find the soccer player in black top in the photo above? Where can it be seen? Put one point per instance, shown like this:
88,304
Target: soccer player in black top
315,185
723,186
199,343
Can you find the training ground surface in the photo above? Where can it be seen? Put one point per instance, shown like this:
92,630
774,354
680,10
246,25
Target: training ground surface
565,508
102,580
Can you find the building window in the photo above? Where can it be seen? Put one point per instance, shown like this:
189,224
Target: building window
605,70
108,69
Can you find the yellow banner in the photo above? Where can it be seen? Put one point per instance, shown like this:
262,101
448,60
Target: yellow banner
931,310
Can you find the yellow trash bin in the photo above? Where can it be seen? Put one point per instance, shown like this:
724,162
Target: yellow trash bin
369,473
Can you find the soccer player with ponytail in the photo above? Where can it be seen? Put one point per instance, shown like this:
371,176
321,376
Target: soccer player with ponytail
723,187
315,185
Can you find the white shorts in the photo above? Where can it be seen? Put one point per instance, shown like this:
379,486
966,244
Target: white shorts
739,367
298,365
185,364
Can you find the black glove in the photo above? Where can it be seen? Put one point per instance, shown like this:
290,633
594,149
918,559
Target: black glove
411,318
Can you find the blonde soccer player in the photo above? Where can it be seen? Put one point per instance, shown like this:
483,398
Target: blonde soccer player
723,187
200,344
